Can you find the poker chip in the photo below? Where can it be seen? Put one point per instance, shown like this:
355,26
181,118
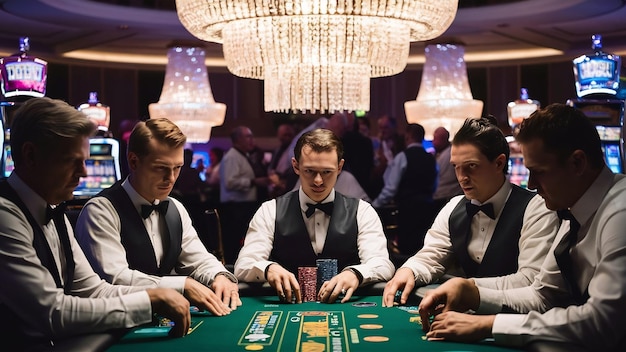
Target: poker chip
307,279
326,270
364,304
371,326
376,338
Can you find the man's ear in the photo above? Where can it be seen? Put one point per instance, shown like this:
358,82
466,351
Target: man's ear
578,161
501,161
29,153
294,164
133,160
341,162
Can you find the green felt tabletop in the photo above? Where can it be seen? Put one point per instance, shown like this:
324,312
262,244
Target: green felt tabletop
264,324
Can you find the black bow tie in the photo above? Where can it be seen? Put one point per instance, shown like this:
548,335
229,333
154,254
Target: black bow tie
146,210
472,209
55,213
325,207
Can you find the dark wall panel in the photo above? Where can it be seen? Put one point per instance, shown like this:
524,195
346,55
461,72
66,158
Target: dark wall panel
129,92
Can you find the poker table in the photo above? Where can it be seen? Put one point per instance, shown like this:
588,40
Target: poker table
263,323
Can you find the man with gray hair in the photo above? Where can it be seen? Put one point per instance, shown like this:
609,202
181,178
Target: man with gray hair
49,291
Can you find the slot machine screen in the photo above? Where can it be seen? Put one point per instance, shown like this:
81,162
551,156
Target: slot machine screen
518,173
103,168
613,157
610,137
7,161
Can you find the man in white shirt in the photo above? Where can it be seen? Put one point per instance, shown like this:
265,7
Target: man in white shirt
496,231
238,191
134,233
49,291
315,222
578,298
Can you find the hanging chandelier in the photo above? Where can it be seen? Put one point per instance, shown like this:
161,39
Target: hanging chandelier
186,98
316,55
444,98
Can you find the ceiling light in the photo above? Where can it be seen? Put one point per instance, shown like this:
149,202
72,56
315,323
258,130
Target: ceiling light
186,98
444,98
316,55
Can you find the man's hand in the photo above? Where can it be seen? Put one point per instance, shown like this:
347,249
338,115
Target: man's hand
345,283
404,281
172,305
204,298
460,327
284,283
456,294
227,290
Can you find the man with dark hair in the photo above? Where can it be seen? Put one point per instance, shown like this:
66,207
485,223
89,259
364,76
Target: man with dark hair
49,291
578,296
315,222
134,233
496,231
410,182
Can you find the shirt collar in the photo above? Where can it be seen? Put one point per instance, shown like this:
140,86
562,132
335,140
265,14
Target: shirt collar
305,199
589,202
33,201
499,199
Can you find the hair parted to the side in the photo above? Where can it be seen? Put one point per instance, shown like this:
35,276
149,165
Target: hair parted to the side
563,129
161,129
484,134
44,122
319,140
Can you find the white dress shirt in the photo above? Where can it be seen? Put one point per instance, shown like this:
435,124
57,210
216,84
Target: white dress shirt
599,257
98,231
437,257
94,304
236,175
392,177
371,241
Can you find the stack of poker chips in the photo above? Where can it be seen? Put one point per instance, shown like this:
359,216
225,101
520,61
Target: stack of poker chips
326,270
307,279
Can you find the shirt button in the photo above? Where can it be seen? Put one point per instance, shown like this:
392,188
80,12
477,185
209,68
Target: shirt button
482,229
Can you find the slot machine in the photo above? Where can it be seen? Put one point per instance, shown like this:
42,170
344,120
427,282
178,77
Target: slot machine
597,77
21,77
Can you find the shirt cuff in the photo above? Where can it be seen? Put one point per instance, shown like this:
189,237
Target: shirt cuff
505,330
138,309
175,282
490,301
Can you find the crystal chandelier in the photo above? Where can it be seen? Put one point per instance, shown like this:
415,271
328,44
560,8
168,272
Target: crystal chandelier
186,98
444,98
316,55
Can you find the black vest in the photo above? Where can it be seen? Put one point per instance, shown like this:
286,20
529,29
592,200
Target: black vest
11,331
292,245
502,252
419,178
136,239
